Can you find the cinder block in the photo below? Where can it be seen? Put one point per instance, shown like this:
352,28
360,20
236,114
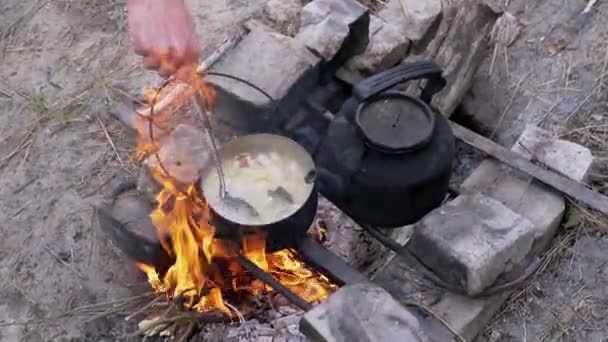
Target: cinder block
362,312
471,241
273,62
539,203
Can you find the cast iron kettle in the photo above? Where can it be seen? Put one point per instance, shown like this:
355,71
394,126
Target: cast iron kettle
387,157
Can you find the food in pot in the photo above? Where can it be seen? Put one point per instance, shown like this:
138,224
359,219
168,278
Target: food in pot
274,185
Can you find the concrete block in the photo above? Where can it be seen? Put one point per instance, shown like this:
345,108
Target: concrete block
570,159
471,241
327,24
387,47
362,312
539,203
415,19
269,60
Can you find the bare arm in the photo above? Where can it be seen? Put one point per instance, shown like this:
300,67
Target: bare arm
162,32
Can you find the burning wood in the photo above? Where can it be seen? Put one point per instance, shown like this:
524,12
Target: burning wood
205,270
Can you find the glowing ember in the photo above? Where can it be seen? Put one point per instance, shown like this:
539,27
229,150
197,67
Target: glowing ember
205,269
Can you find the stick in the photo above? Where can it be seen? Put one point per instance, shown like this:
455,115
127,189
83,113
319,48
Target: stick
105,131
20,210
565,185
438,317
180,88
25,143
226,45
270,281
143,308
207,317
589,6
64,263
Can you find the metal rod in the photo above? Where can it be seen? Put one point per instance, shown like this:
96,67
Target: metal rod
270,281
428,274
204,116
328,263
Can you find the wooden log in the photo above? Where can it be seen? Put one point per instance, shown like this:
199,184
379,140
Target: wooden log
458,43
567,186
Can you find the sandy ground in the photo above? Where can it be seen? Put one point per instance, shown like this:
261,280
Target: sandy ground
554,75
60,65
63,61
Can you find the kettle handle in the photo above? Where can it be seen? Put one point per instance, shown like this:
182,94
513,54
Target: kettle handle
403,73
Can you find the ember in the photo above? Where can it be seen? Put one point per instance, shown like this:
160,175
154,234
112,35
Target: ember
205,270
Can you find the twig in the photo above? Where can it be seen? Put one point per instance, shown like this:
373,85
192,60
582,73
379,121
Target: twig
20,210
24,143
188,332
226,45
64,263
104,314
239,315
93,236
105,131
438,317
143,308
404,8
209,317
510,103
589,6
493,59
24,185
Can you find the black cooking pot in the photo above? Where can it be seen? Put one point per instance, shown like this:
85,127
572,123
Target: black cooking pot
387,157
281,231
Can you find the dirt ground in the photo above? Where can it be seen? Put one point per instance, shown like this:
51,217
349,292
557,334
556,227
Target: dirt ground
63,61
553,75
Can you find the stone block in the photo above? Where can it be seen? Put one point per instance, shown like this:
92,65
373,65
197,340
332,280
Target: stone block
362,312
541,204
570,159
471,241
326,25
413,17
387,47
273,62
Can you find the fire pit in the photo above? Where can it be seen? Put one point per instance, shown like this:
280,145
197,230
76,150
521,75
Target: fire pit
184,246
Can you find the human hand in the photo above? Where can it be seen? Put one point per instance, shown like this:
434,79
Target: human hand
162,32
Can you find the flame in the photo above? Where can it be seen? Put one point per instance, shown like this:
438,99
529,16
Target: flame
204,270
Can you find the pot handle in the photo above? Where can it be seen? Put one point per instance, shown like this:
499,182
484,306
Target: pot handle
403,73
329,183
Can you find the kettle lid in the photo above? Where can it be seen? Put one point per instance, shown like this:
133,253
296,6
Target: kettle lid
395,123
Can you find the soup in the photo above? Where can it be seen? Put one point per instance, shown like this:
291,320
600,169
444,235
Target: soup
273,184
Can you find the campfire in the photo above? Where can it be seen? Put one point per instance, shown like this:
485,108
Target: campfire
205,273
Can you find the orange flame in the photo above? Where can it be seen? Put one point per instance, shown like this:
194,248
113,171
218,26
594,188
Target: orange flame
204,268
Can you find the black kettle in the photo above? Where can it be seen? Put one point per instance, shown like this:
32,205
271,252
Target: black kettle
386,158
